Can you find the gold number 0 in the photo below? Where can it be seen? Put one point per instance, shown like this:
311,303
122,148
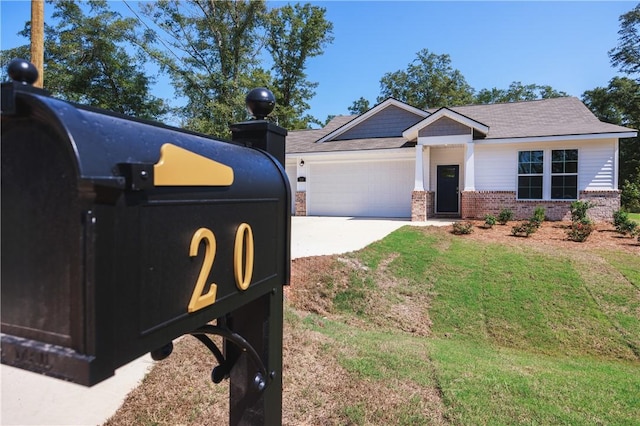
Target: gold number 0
243,248
199,300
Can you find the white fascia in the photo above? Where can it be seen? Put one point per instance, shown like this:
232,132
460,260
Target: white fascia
373,111
358,155
590,136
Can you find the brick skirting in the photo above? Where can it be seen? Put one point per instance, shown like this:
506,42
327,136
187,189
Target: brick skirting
301,203
421,205
475,204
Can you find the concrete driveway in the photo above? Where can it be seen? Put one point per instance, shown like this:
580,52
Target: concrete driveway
319,235
32,399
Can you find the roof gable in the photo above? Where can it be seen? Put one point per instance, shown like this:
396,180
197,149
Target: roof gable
387,119
445,122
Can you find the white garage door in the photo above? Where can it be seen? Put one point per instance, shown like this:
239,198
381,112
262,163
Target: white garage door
373,188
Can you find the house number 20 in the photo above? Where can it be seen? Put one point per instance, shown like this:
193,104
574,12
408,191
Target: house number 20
243,271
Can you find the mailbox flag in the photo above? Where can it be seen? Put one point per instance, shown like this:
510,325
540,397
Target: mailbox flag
181,167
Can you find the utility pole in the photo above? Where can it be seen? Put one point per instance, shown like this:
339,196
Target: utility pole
37,39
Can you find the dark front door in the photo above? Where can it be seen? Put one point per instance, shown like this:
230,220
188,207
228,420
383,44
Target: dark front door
447,189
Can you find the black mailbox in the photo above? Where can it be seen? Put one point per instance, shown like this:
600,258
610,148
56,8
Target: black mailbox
119,235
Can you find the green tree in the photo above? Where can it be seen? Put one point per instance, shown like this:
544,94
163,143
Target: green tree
295,33
209,49
86,60
619,103
517,92
429,81
359,107
626,56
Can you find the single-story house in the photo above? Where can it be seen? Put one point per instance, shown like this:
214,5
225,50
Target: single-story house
396,160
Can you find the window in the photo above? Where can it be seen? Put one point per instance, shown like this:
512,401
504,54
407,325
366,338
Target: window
564,174
530,173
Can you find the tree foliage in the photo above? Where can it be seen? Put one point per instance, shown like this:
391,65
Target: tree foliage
619,103
359,107
208,48
517,92
429,81
295,34
211,50
86,60
626,56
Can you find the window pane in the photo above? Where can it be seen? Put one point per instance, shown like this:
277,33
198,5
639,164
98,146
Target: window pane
530,187
536,168
523,156
557,167
571,167
537,156
571,155
524,168
564,187
557,155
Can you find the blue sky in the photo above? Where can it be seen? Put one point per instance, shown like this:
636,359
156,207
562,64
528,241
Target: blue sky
561,44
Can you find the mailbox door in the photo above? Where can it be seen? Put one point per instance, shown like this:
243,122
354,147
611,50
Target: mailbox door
45,303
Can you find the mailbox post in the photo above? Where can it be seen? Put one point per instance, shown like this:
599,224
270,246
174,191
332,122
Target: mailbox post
120,235
260,322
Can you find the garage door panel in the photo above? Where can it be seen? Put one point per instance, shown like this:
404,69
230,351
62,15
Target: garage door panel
376,188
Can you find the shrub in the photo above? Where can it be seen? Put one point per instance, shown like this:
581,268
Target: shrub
579,210
580,231
623,224
581,226
460,228
489,221
524,229
505,216
538,216
630,195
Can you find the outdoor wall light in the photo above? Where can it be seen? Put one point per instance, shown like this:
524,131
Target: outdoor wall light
301,163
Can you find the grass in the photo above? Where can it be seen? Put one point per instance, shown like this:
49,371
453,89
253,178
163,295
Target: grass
635,216
427,328
519,337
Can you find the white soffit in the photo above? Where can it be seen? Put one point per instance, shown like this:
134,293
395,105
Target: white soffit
412,132
373,111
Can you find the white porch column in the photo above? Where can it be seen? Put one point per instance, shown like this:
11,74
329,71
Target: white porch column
469,168
419,179
426,172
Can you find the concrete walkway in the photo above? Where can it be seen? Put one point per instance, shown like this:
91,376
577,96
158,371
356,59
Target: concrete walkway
32,399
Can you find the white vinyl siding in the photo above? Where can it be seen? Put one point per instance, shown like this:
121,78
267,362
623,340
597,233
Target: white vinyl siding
596,171
496,166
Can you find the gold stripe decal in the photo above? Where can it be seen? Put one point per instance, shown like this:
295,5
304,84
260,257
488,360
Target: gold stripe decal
180,167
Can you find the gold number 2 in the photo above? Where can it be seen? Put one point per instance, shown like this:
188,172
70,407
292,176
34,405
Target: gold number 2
199,300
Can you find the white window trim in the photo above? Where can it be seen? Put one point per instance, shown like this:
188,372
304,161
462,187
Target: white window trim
546,174
518,174
551,174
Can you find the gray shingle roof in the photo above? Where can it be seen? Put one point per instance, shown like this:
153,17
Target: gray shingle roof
548,117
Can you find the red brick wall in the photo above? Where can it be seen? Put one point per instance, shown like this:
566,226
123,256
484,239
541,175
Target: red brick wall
475,204
301,203
421,205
